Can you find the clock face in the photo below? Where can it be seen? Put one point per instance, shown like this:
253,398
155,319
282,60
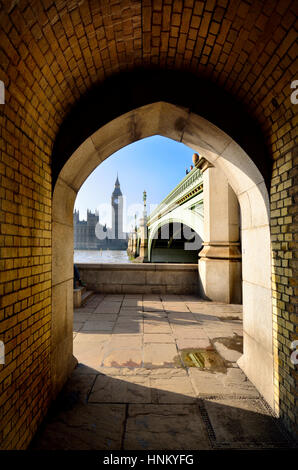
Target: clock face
116,201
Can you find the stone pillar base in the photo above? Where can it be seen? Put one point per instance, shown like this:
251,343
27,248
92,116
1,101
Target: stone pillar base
220,273
143,252
257,364
141,259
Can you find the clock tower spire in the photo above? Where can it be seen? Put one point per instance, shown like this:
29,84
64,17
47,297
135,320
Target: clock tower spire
117,211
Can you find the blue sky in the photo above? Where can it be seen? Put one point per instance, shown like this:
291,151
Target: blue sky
156,164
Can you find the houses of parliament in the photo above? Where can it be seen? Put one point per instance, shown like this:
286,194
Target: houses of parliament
91,235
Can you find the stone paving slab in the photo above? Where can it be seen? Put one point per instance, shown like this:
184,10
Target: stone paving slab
189,332
238,384
232,323
156,354
152,297
242,424
108,307
131,312
157,326
235,316
168,372
113,297
125,341
170,298
98,325
221,307
190,298
133,296
121,389
180,388
126,357
165,427
193,343
77,325
132,327
103,317
158,338
154,315
81,316
132,303
210,308
186,319
85,427
220,332
90,353
206,319
123,371
140,394
237,329
94,301
231,384
152,307
80,385
226,353
174,307
129,319
83,310
83,369
87,337
126,371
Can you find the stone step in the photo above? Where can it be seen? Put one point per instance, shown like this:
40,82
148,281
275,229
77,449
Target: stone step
86,294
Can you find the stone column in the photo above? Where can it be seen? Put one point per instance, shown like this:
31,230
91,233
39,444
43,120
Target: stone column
143,255
143,233
129,244
220,257
134,243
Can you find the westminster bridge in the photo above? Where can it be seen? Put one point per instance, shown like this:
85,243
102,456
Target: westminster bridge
197,221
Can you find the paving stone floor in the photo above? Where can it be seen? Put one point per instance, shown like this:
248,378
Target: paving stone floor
135,386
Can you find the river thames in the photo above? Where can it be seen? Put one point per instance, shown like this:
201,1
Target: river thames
101,256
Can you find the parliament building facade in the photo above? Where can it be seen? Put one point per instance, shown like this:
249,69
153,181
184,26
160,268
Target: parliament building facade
91,235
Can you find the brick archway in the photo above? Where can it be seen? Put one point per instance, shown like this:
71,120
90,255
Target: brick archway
247,182
52,54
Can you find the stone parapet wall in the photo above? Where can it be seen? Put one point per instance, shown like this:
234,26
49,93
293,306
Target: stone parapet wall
138,278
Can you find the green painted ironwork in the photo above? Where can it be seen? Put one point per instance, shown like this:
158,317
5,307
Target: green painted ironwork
193,180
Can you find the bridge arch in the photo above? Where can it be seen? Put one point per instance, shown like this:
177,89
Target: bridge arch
167,221
182,125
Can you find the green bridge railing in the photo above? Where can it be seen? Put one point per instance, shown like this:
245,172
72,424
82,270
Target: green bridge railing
191,181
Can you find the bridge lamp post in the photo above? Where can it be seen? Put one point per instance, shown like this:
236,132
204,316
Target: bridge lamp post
143,255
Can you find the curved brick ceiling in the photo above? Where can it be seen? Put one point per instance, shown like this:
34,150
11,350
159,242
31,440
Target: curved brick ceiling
52,52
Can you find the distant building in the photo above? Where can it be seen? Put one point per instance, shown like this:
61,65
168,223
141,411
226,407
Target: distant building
91,235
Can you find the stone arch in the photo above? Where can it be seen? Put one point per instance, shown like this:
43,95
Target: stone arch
245,178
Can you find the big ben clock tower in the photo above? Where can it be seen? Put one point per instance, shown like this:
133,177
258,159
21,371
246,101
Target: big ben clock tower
117,211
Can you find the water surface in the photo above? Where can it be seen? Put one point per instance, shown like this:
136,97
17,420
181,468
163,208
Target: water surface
101,256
